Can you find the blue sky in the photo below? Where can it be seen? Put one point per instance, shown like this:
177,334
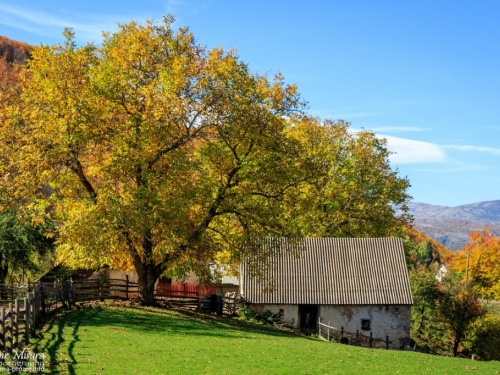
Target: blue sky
423,74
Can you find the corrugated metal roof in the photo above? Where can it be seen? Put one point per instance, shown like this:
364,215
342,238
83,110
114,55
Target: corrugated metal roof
330,271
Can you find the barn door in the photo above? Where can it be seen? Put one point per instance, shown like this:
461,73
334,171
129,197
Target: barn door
308,315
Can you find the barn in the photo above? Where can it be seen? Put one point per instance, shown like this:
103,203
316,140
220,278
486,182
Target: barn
354,283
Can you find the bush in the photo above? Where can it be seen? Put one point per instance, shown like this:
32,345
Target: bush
244,312
268,317
265,317
484,338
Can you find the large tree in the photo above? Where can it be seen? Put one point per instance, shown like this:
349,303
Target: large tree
157,154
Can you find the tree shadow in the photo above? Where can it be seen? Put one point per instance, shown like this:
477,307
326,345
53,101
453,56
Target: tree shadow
184,321
54,338
64,330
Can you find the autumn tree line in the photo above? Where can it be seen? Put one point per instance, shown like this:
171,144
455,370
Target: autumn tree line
456,312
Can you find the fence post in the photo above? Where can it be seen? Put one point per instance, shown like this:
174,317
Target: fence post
328,328
2,326
42,298
32,309
387,342
341,334
357,337
371,339
9,349
16,324
100,287
27,317
73,292
126,286
34,306
68,297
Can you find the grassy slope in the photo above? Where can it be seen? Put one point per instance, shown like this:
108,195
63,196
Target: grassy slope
117,340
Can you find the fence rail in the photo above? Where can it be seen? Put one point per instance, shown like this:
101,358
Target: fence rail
100,289
12,291
19,319
330,333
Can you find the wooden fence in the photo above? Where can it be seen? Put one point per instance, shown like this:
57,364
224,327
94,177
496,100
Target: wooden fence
329,333
19,319
101,289
23,307
188,290
10,292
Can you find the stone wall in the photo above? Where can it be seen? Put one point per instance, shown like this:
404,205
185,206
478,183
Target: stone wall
385,320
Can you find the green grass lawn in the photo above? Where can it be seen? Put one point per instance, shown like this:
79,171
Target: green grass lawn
120,340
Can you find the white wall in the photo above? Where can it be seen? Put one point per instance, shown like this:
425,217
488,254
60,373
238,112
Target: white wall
386,320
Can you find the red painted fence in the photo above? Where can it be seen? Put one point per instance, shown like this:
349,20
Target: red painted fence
188,290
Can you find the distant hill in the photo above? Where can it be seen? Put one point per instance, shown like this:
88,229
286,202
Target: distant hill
450,226
439,251
12,51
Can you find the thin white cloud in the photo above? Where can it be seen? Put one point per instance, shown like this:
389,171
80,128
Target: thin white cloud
455,167
328,114
401,129
489,150
19,25
178,7
411,151
347,116
40,22
172,5
44,19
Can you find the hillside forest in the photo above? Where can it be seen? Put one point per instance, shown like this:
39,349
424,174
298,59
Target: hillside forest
150,152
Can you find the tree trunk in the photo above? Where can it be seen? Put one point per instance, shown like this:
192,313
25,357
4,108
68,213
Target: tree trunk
456,344
148,274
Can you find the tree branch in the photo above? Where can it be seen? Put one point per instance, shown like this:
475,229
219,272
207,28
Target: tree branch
78,169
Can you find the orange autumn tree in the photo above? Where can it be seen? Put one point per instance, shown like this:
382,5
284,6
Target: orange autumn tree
484,263
157,154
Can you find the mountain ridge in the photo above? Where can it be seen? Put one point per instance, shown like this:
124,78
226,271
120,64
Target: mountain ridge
479,211
451,226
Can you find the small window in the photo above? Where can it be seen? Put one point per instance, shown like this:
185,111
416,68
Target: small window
365,325
282,313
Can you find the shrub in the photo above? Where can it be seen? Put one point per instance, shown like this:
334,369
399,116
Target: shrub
244,312
484,338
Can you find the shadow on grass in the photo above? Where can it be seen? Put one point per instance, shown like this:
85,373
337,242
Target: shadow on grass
63,330
145,319
55,335
177,321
